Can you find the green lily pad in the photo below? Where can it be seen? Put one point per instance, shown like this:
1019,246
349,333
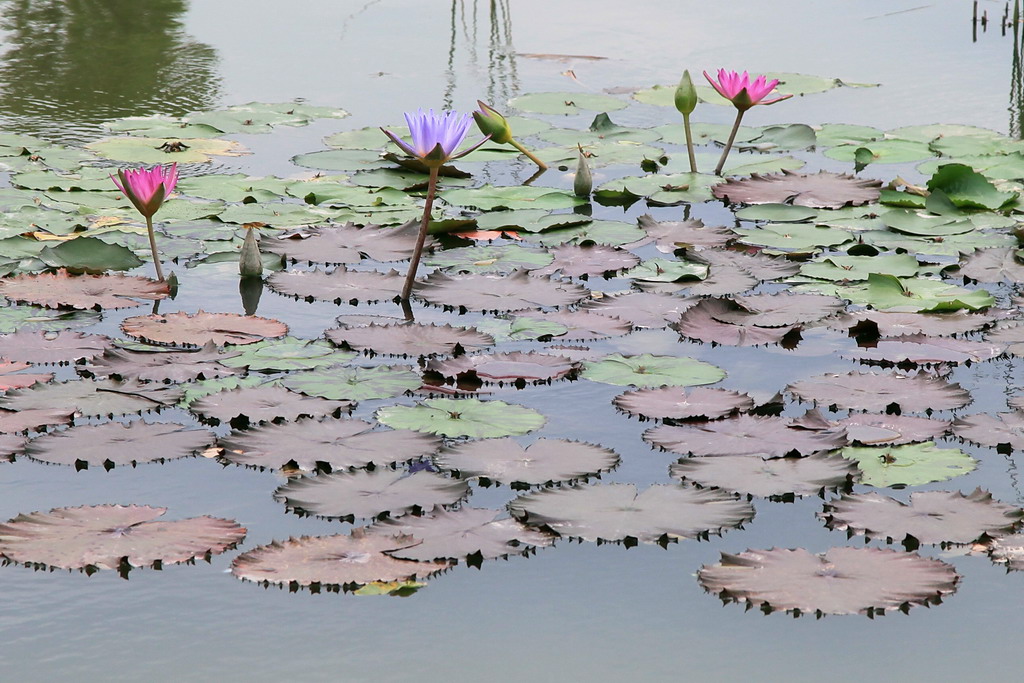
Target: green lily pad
883,151
950,245
704,133
462,417
187,210
913,223
909,465
233,188
489,259
353,384
646,370
341,160
261,117
996,166
150,150
197,390
599,153
778,213
793,136
34,318
659,188
276,214
843,267
835,134
490,197
887,292
521,328
161,127
929,132
89,255
287,353
794,236
969,189
664,270
85,179
601,130
610,233
736,164
566,103
530,220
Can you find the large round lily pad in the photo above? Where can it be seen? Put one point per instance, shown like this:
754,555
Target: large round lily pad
1004,431
840,581
646,370
52,347
93,397
353,383
512,292
339,286
642,309
871,391
618,512
262,404
201,328
768,437
769,478
509,462
462,417
348,243
410,339
514,366
108,536
62,290
823,190
113,443
682,404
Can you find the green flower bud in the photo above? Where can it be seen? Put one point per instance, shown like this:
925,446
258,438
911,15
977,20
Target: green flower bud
249,262
583,183
492,123
686,95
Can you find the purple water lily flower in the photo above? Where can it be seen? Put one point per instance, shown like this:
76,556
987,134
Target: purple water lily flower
435,137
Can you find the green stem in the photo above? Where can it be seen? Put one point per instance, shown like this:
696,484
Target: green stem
728,145
689,143
152,246
540,164
421,238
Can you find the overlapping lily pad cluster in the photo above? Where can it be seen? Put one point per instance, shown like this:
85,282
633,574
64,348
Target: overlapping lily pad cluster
536,297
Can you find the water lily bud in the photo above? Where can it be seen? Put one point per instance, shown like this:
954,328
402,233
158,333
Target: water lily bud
492,123
686,95
249,262
584,182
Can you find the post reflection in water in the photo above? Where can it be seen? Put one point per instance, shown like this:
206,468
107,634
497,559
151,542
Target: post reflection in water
67,65
1016,77
502,79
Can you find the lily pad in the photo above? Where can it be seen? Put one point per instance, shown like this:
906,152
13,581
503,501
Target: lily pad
874,392
63,290
641,309
148,150
823,190
544,461
353,383
163,367
566,103
347,243
463,417
646,370
768,437
249,405
52,347
513,292
909,465
893,430
774,477
410,339
93,397
202,328
1004,431
115,444
286,353
677,403
513,366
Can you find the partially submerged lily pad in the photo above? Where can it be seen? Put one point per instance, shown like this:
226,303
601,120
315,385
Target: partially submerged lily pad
111,536
508,462
840,581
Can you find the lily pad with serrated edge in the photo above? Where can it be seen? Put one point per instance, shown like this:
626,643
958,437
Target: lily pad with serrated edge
62,290
521,328
12,378
611,233
513,292
842,580
462,417
504,258
620,513
512,366
340,285
370,493
918,295
847,268
894,324
18,421
573,260
993,265
702,322
769,478
647,370
33,318
337,443
93,398
682,404
823,190
262,404
672,235
112,536
909,465
919,349
162,367
410,339
931,517
509,462
115,444
873,391
641,309
794,237
347,243
1004,431
52,347
490,197
768,437
340,560
354,383
200,328
665,270
286,353
868,429
472,533
582,324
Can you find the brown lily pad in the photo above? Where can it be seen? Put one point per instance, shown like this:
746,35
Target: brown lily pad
348,243
704,323
840,581
768,437
112,536
642,309
329,444
113,444
581,325
993,265
822,190
458,534
9,380
410,339
339,286
506,367
774,477
619,513
498,293
353,560
145,366
62,290
11,444
689,234
891,430
93,398
243,406
875,324
919,349
17,421
544,461
573,260
678,403
52,347
367,494
931,517
1004,431
201,328
873,392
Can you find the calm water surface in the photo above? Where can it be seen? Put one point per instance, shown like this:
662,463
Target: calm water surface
574,612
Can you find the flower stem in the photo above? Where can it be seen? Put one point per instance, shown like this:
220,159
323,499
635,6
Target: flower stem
689,143
422,236
152,246
728,145
517,145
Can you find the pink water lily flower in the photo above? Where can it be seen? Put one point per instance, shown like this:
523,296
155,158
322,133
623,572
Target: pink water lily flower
435,137
147,190
744,94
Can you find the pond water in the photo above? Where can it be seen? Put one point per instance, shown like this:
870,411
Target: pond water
575,611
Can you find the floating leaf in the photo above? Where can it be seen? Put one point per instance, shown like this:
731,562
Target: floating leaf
490,197
544,461
672,235
457,534
823,190
909,465
618,512
489,259
163,367
493,293
202,328
339,286
641,309
354,384
931,517
366,494
921,349
874,324
347,243
646,370
337,560
89,255
566,102
582,324
572,260
873,430
115,444
968,189
847,268
463,417
887,151
1004,431
840,581
506,367
664,270
164,150
410,339
704,322
769,478
286,353
93,398
262,404
799,237
874,392
682,404
52,347
339,444
993,265
15,421
768,437
62,290
107,536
